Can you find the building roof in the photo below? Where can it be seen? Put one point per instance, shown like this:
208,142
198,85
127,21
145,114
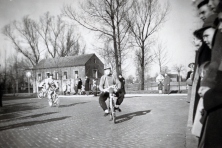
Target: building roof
69,61
173,75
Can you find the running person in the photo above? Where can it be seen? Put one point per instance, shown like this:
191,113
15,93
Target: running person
107,80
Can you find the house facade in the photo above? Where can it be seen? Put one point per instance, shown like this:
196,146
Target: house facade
67,70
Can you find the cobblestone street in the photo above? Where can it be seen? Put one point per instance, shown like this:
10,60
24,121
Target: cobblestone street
145,121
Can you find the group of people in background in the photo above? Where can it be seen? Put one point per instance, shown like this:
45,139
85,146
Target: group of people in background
164,85
206,76
81,89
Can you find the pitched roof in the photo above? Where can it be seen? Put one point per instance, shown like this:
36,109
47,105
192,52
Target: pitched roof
69,61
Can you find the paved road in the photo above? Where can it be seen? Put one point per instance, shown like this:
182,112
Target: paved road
145,121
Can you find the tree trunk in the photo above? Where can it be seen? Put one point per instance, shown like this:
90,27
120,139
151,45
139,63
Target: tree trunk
142,67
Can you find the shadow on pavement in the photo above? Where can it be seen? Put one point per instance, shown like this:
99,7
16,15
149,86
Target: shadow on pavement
9,105
15,108
31,123
126,117
69,105
11,117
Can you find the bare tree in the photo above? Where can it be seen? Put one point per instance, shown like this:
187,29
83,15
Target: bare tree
138,61
25,38
60,39
165,69
108,19
145,19
161,57
179,68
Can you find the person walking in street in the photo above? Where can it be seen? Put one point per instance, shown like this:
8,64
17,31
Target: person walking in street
87,85
122,80
166,84
79,86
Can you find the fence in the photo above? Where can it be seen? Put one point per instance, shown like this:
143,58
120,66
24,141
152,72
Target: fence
174,86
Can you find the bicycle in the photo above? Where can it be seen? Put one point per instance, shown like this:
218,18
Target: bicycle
42,93
112,89
53,100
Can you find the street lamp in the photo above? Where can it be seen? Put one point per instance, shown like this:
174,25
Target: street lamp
28,74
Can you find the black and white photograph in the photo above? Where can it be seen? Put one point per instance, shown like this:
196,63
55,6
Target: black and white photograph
111,73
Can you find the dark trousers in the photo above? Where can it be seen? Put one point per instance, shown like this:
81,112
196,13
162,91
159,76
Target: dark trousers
103,97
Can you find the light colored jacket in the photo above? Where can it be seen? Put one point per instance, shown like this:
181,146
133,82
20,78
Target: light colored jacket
107,81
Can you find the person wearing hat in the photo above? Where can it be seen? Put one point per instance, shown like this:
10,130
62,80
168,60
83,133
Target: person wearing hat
207,32
213,38
107,80
189,80
212,98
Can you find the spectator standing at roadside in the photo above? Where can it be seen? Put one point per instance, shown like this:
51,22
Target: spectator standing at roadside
87,85
160,87
212,94
79,86
68,89
189,80
166,84
94,87
64,88
203,54
122,81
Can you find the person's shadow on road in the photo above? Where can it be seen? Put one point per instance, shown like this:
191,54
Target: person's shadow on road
126,117
69,105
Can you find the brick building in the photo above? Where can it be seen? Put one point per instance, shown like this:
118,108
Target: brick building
66,70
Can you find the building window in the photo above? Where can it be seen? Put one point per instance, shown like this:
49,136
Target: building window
39,77
47,74
94,60
76,74
56,76
65,75
95,73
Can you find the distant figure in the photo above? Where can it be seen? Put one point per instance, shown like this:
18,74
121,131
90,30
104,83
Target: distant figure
160,87
64,89
79,86
68,89
122,80
87,85
76,87
94,87
166,84
83,92
189,81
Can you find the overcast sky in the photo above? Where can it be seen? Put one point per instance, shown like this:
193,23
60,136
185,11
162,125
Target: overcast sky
176,33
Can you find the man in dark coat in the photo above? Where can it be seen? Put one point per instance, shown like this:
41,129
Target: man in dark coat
166,84
212,98
87,86
122,80
79,86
